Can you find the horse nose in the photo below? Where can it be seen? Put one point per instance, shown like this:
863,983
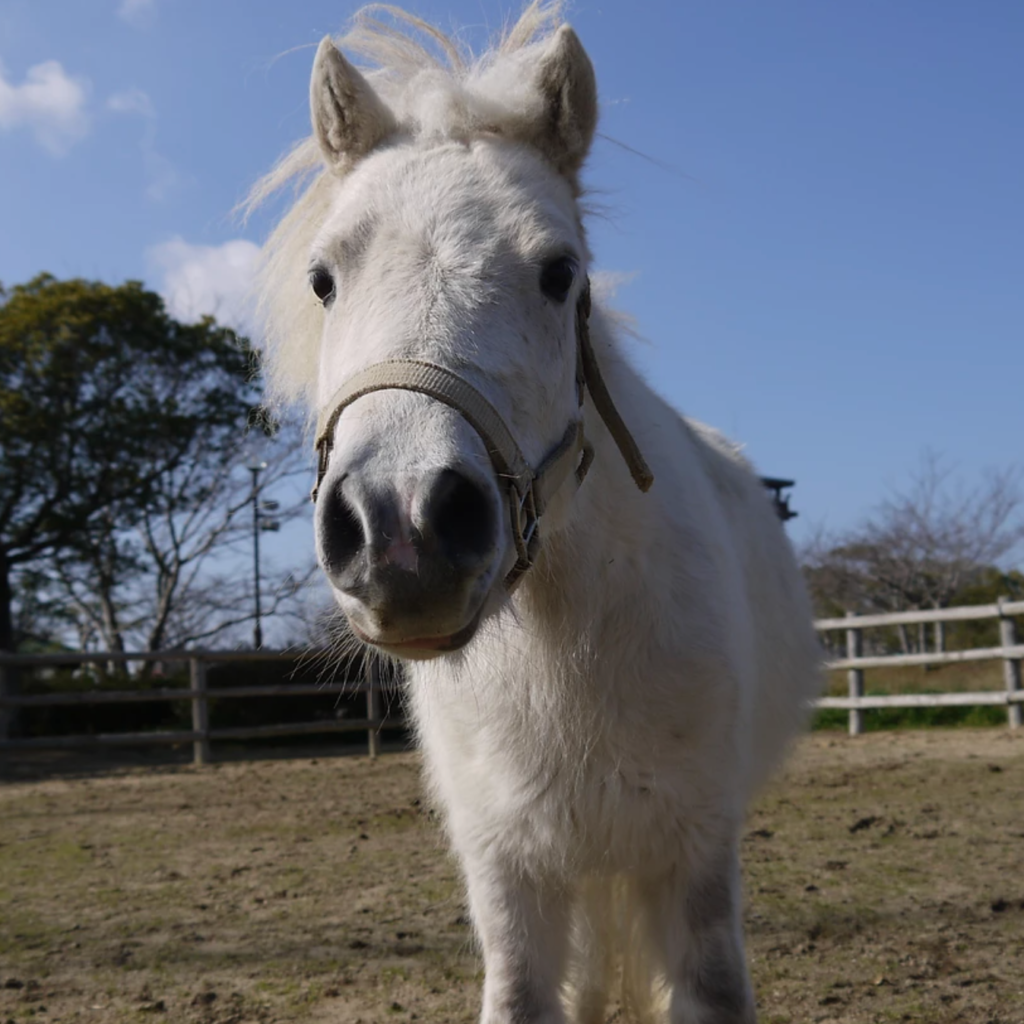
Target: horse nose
447,531
341,533
458,516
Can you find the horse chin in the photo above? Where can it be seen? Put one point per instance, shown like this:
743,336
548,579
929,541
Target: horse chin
423,648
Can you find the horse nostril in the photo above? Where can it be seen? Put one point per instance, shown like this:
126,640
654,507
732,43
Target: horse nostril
460,515
341,531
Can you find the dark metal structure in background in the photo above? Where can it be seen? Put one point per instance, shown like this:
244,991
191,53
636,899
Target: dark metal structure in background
775,486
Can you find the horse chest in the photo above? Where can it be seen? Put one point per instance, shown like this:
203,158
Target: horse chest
562,781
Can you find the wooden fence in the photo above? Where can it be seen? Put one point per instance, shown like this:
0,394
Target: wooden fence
855,662
201,735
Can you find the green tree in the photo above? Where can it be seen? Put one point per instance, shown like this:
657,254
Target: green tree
102,398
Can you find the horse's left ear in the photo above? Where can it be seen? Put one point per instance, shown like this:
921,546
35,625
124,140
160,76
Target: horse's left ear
565,79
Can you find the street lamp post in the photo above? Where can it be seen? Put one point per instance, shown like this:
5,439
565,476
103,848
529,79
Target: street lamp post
260,522
257,632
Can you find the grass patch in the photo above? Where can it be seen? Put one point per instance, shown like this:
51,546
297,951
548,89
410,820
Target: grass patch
968,677
980,716
915,679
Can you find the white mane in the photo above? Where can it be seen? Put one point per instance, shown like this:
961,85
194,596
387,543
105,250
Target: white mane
436,89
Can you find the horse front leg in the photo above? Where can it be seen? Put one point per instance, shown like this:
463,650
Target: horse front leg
699,921
523,927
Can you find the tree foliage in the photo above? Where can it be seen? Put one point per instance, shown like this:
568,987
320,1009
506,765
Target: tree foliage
104,398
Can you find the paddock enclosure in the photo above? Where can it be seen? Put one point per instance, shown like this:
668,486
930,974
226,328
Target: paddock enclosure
884,877
972,659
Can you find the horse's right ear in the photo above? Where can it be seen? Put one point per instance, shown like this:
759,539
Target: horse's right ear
349,118
568,88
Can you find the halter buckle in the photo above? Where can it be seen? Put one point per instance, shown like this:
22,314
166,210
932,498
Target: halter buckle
525,524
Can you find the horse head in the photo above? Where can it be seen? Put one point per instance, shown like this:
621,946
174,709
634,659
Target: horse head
451,248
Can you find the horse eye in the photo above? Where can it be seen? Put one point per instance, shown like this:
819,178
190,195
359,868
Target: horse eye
322,283
556,277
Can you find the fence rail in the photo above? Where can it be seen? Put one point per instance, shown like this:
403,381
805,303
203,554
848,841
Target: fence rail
960,614
198,693
1009,652
201,735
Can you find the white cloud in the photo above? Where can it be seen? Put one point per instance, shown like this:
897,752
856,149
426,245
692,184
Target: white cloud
162,175
214,279
49,103
136,12
131,101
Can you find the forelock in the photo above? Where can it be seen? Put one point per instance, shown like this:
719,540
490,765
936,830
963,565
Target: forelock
436,89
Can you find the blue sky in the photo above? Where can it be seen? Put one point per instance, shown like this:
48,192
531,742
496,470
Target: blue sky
827,259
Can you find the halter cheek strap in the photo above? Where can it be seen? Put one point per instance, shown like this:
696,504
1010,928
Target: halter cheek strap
529,490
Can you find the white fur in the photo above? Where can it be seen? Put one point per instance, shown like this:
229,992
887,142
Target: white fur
595,745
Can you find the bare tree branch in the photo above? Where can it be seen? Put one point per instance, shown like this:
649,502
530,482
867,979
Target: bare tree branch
923,545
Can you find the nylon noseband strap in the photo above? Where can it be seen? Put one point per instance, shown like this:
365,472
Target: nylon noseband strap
529,491
446,386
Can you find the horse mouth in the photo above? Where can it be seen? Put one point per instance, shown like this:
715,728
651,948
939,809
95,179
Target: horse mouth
423,648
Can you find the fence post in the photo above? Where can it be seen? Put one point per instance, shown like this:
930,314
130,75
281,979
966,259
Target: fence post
373,708
1011,667
6,690
855,676
10,686
200,712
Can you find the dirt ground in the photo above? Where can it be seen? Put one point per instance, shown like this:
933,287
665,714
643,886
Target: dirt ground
884,878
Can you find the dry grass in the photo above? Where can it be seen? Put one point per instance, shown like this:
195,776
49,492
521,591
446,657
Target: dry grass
884,879
968,677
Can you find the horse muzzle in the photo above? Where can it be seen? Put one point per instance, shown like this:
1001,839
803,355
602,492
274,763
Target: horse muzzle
412,563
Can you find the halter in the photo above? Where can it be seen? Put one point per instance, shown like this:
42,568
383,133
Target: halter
529,490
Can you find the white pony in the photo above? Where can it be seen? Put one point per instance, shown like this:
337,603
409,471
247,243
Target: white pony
600,671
